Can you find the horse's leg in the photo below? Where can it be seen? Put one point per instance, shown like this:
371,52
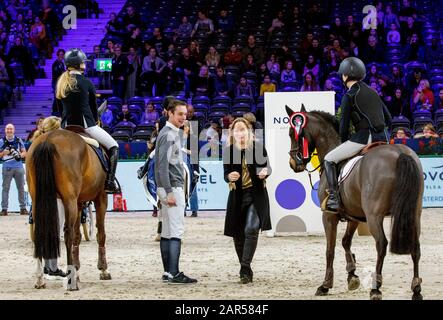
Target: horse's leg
375,224
330,222
416,253
353,280
76,243
40,283
101,204
71,213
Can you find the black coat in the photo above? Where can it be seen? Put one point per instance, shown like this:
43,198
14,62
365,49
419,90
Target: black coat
235,220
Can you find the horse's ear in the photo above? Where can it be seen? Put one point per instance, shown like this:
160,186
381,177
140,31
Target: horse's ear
303,109
289,111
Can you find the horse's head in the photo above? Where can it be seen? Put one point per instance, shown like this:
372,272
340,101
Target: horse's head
300,153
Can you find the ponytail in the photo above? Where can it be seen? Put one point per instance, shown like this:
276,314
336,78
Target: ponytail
65,84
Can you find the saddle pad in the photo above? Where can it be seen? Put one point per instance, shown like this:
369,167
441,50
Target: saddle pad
344,173
90,141
101,156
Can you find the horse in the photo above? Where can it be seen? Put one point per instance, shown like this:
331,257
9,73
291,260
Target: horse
60,164
388,180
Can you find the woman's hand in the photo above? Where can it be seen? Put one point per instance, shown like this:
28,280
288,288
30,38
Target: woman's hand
233,176
263,173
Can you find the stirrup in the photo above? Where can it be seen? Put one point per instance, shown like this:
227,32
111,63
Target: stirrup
112,186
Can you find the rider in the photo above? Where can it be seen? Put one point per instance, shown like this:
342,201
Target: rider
77,94
369,115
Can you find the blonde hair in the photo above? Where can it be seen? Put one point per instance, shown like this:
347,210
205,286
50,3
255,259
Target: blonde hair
250,117
49,124
65,84
231,140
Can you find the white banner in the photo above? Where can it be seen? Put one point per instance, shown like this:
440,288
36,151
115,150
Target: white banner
290,194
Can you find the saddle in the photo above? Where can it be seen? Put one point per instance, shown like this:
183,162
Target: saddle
98,149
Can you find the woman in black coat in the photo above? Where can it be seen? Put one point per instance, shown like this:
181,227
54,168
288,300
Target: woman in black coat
246,167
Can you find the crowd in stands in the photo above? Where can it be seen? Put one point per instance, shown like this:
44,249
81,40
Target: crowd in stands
203,58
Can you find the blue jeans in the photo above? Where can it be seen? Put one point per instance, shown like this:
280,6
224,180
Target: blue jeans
193,201
18,174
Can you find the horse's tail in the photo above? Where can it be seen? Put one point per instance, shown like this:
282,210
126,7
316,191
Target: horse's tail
404,233
47,234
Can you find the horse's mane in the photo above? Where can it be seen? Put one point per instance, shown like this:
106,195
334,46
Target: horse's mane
329,118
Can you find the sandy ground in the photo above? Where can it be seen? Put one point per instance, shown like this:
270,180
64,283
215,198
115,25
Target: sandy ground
289,267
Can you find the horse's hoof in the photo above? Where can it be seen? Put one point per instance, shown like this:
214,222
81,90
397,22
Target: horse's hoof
353,283
72,288
322,291
375,294
105,276
417,296
40,286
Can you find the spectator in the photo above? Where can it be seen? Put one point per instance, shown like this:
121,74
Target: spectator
134,68
204,83
414,51
132,17
233,56
212,58
243,88
109,52
251,48
306,44
12,151
428,132
273,66
311,66
354,49
413,80
277,23
267,86
134,40
186,68
171,54
38,128
256,125
310,84
194,50
203,26
393,36
113,27
439,101
332,61
221,83
20,54
433,52
373,52
150,114
119,73
399,105
423,98
385,89
397,76
295,20
263,71
338,29
399,134
225,22
184,29
409,29
249,65
126,116
159,42
170,76
288,75
352,25
390,18
152,71
37,35
407,11
315,50
5,88
58,67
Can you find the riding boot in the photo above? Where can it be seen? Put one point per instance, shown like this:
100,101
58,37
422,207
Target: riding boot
333,202
110,185
239,244
250,245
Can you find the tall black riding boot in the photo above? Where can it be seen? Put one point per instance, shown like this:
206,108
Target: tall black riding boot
239,244
110,185
333,202
250,245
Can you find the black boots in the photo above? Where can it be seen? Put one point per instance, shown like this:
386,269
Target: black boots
110,184
333,202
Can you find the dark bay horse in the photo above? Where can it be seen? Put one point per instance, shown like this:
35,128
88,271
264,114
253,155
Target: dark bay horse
60,164
388,180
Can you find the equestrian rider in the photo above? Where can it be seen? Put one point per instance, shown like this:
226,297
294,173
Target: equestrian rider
77,94
369,115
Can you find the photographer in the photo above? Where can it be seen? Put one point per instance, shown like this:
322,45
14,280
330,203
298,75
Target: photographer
12,151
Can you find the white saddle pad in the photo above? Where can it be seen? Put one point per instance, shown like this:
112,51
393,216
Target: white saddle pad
346,170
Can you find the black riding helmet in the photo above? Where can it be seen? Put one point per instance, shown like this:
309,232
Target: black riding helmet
354,68
74,58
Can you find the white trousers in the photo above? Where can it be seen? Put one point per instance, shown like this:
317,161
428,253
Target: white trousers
345,151
102,137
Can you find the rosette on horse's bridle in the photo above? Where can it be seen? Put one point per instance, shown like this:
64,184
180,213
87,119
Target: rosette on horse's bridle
298,121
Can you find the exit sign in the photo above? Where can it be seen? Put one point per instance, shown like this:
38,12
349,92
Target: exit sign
103,65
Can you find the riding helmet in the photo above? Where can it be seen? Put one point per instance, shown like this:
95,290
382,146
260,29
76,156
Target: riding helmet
354,68
74,58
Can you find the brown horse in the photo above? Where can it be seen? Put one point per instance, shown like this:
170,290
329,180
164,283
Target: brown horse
61,165
388,180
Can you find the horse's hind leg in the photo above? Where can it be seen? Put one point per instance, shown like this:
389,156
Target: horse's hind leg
76,244
101,204
71,216
330,224
375,224
40,283
353,280
416,253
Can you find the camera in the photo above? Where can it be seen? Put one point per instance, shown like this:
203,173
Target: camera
14,153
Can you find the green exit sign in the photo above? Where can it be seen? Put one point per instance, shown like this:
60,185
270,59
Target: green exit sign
103,65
